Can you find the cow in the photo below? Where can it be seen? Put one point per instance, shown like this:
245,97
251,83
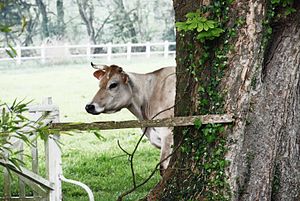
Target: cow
146,96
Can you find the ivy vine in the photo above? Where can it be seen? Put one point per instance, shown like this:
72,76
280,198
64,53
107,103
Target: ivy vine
205,146
286,5
206,29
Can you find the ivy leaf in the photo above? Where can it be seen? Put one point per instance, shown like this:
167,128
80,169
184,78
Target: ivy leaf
200,27
191,15
197,123
192,26
210,24
289,11
205,26
202,19
216,32
181,26
211,138
203,35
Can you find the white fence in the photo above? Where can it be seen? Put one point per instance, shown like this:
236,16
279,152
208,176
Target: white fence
88,51
44,189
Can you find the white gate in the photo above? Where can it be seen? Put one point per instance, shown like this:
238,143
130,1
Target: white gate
49,188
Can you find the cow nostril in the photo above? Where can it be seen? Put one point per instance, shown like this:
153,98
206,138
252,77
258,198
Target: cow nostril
90,108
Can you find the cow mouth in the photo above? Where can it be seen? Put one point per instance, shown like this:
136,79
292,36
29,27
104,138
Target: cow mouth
111,111
94,112
93,109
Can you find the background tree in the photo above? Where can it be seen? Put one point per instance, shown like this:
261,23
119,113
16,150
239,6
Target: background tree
60,18
86,10
94,21
123,23
45,22
252,71
31,16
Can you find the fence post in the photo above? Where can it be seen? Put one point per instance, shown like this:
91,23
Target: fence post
166,49
66,50
43,53
88,52
19,54
6,183
22,193
109,51
34,116
128,51
148,49
53,158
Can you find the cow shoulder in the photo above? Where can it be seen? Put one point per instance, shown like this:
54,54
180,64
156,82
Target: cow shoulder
163,96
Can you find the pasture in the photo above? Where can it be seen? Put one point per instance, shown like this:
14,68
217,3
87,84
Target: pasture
99,163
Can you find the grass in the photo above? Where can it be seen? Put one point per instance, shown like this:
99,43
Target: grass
98,163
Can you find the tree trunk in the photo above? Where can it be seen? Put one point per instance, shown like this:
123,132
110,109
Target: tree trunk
130,31
86,11
262,88
60,18
44,24
264,93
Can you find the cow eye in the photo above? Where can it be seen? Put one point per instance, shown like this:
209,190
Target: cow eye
113,85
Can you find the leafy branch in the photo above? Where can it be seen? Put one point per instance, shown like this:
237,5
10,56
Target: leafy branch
15,125
206,29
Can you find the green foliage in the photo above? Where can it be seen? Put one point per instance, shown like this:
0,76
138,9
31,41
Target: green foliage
93,158
276,10
6,27
197,123
206,29
99,164
11,51
205,145
286,5
13,124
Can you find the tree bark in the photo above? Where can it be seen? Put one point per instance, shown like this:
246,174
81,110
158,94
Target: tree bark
44,24
86,11
263,91
125,23
60,18
262,88
185,102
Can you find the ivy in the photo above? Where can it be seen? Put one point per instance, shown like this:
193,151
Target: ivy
206,29
204,146
285,5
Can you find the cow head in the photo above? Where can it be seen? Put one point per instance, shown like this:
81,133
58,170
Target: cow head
114,91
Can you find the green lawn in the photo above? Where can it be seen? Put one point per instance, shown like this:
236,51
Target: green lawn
98,163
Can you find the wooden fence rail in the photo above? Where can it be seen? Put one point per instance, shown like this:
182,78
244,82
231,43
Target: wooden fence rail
88,51
50,188
167,122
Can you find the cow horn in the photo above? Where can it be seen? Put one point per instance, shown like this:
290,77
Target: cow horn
98,67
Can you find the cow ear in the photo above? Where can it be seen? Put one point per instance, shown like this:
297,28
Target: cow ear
99,74
125,78
120,70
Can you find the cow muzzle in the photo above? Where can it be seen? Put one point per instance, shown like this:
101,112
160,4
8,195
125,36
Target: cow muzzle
93,109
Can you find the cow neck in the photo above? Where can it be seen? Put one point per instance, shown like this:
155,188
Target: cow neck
142,87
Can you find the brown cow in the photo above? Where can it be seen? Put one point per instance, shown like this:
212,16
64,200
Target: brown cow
147,96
